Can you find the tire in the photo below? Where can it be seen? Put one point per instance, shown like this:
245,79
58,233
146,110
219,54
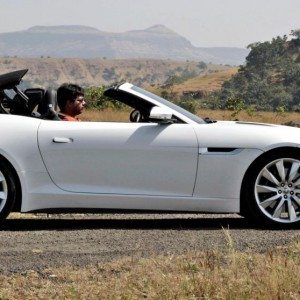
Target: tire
7,190
271,190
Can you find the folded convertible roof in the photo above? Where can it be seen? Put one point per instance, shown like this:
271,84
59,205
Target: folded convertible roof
10,80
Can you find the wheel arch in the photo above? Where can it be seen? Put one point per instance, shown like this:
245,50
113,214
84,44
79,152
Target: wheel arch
18,200
252,166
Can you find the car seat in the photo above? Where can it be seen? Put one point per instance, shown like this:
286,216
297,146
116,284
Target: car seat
48,107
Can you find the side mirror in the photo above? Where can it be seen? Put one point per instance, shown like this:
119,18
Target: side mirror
161,115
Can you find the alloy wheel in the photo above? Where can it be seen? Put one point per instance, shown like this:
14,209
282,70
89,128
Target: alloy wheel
3,191
277,190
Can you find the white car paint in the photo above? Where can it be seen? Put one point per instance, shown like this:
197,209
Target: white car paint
121,158
145,166
247,135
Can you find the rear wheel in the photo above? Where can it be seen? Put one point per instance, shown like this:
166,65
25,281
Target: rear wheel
271,193
7,190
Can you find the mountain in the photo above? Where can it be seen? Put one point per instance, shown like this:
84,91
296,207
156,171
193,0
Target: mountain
156,42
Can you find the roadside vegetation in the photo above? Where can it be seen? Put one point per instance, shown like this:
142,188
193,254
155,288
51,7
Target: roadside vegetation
288,118
214,274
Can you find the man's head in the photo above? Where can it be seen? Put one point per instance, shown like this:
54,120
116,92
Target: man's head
70,99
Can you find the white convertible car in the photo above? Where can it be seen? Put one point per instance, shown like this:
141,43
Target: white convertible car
165,160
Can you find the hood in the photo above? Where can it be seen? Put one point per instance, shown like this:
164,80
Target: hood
237,134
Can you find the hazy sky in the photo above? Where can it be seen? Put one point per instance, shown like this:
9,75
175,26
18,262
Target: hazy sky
203,22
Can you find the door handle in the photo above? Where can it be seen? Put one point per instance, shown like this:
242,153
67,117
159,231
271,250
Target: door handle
62,140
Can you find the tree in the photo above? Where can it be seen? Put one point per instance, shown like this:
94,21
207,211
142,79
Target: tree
270,77
96,99
109,74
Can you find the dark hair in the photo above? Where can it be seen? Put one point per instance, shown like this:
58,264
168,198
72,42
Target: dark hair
68,91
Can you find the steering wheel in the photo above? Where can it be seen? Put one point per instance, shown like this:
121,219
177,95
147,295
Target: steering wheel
135,116
3,107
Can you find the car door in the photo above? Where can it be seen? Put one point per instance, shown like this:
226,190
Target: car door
120,158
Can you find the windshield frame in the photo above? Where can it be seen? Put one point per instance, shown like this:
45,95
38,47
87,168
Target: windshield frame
179,111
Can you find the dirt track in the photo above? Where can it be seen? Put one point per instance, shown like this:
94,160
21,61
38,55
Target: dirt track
44,242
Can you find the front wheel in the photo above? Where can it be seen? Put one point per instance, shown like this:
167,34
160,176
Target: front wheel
7,190
271,194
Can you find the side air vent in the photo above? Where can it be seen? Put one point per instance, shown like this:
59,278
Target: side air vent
226,150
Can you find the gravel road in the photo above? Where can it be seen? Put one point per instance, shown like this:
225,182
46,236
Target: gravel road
39,242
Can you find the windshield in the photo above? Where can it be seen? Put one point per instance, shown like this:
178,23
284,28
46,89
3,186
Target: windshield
169,104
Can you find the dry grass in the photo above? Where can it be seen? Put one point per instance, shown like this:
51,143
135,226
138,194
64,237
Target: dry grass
109,115
209,82
210,275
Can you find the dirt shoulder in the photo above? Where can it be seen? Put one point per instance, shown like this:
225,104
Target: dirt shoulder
38,242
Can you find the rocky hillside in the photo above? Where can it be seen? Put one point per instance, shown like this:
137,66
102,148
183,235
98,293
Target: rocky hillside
87,72
157,42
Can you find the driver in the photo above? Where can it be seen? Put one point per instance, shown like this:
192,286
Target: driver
71,102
